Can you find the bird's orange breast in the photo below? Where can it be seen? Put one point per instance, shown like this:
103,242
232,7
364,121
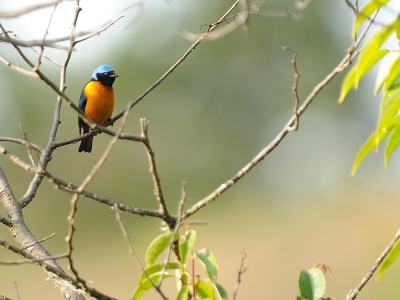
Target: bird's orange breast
99,101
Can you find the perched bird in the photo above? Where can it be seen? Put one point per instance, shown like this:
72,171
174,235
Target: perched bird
97,101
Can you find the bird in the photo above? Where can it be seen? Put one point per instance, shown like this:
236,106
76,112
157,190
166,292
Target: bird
97,101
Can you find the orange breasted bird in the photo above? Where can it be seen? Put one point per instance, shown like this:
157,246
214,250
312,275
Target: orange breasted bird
97,101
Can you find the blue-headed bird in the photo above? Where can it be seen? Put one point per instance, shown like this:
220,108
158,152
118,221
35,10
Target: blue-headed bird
97,101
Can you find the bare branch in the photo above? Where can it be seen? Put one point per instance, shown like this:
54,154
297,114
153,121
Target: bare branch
18,68
126,236
5,221
4,298
39,241
162,206
240,272
172,244
19,162
25,10
175,65
99,31
69,187
31,261
25,238
16,290
295,125
346,61
44,38
28,144
54,271
354,293
22,142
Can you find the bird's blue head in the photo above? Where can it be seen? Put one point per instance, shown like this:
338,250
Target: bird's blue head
105,74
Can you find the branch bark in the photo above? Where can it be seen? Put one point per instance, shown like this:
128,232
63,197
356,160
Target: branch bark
25,238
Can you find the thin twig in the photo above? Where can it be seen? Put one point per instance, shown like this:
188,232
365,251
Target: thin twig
18,68
240,272
25,10
22,142
31,261
354,293
5,221
53,269
132,251
39,241
28,144
162,207
295,125
179,61
100,31
44,38
19,162
171,243
352,6
16,290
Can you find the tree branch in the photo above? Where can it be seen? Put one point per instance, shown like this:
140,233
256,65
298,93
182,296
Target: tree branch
25,10
25,238
354,293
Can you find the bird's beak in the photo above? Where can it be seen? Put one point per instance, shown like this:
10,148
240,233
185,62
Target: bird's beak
114,75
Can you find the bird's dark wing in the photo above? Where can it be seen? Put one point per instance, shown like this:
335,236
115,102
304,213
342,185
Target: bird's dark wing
82,105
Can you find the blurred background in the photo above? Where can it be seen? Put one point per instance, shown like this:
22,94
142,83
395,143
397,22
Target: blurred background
208,119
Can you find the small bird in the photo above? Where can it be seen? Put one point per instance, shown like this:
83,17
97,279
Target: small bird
97,101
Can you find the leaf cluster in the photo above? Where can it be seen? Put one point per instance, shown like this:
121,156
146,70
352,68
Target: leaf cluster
388,81
187,282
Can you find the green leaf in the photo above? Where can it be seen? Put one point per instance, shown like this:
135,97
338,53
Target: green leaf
306,285
186,247
205,291
208,260
392,80
299,298
389,259
369,56
393,142
156,268
366,12
312,284
385,70
373,141
148,284
221,291
397,26
319,282
183,293
349,81
367,61
370,144
396,83
389,108
158,245
378,39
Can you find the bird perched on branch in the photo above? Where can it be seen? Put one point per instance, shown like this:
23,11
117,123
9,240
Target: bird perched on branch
97,101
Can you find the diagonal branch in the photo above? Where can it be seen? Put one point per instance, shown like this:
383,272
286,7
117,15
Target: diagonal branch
191,49
343,64
25,238
162,206
25,10
354,293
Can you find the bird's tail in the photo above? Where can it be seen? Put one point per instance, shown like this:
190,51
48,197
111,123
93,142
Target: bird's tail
86,145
